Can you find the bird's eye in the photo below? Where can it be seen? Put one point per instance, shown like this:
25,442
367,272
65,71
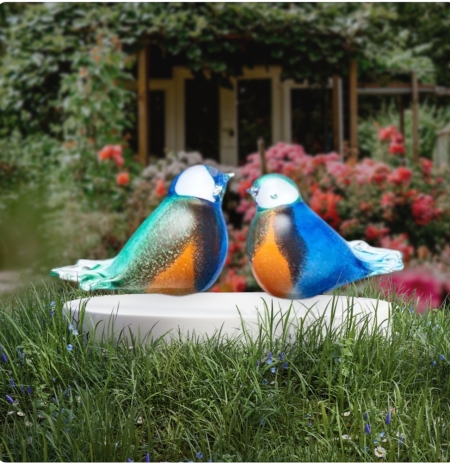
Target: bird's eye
274,196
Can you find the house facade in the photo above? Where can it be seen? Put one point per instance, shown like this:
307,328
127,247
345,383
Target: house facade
179,111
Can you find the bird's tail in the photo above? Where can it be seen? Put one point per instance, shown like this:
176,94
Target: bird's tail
83,271
378,260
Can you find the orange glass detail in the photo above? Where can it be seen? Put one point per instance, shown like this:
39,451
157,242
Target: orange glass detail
179,278
270,267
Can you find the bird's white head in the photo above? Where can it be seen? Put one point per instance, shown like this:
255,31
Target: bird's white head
274,190
201,181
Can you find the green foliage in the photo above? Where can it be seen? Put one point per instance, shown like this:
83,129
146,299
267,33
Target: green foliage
54,187
94,109
429,26
28,171
311,40
108,400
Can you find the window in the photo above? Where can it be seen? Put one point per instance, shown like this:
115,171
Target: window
202,117
254,114
157,122
312,119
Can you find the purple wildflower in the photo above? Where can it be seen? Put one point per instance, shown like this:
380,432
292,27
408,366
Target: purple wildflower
273,370
282,356
367,428
199,455
433,363
29,390
12,383
441,357
388,418
9,399
285,365
147,457
4,357
69,347
365,416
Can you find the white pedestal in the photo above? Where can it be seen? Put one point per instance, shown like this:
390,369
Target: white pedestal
206,313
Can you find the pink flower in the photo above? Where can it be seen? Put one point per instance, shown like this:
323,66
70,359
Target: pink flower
386,133
160,188
123,178
426,166
397,138
243,187
388,199
340,171
422,285
400,176
423,209
325,204
116,150
365,207
373,233
400,243
119,160
113,152
105,153
396,148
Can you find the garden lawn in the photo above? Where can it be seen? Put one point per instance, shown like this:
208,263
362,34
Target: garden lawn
341,395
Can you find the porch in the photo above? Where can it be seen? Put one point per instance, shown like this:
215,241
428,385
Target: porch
179,111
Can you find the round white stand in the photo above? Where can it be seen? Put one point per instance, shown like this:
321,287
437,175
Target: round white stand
206,313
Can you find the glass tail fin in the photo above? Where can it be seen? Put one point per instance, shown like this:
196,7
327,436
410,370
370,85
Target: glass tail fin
377,260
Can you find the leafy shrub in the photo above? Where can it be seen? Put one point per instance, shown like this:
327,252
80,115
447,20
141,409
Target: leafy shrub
431,119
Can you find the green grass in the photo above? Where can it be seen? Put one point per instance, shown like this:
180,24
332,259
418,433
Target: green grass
112,400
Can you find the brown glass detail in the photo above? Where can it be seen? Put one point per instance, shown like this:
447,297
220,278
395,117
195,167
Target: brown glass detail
289,242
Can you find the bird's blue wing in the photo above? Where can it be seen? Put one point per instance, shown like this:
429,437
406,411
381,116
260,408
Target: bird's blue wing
330,262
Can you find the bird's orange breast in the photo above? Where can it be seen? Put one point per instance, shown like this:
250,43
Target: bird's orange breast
270,267
179,278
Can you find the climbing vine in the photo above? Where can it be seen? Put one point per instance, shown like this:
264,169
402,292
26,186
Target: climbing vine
311,40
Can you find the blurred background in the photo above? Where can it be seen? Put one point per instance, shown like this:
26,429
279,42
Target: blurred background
101,105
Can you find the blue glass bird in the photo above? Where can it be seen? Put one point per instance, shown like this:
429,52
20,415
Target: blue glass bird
295,254
179,249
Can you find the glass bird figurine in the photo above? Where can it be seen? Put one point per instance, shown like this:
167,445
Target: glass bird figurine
179,249
295,254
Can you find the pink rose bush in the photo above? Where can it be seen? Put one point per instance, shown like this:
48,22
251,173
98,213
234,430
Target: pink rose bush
394,138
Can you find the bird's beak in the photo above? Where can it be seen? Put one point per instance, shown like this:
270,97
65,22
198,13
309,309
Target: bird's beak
253,191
